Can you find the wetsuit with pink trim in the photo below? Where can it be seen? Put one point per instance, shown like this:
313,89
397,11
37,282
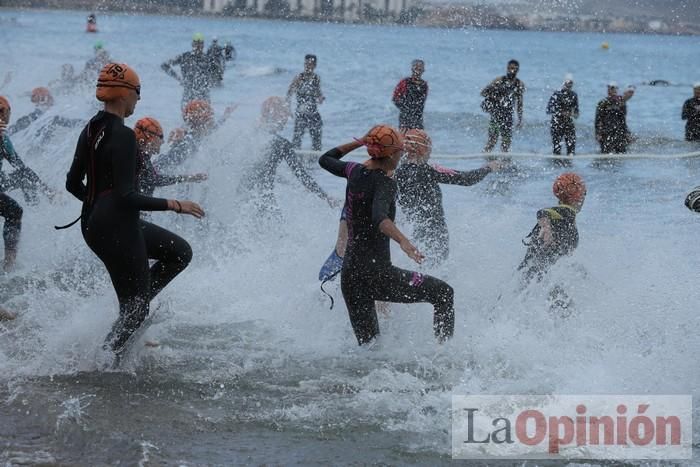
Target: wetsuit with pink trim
111,224
420,198
367,273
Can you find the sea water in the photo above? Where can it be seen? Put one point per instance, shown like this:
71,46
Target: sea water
252,366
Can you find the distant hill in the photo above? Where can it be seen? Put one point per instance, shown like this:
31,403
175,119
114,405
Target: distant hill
687,11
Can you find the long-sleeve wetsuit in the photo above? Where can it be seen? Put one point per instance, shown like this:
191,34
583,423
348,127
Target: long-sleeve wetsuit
367,273
307,87
196,80
420,198
262,180
563,107
112,228
611,125
148,178
691,113
540,257
409,97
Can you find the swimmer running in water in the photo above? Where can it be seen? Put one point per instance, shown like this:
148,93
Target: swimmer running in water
22,177
149,139
555,236
261,182
368,274
110,216
420,196
198,116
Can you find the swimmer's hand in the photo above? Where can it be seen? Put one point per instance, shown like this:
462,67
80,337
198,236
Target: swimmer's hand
496,166
186,207
412,252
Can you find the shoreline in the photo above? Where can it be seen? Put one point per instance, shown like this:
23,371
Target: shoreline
176,12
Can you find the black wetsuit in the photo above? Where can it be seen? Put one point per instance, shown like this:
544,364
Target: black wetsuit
262,180
539,258
112,228
420,198
611,125
218,63
367,273
409,97
563,106
691,113
501,98
148,178
307,87
179,152
196,68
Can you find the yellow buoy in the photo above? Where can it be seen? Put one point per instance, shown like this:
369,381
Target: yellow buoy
605,46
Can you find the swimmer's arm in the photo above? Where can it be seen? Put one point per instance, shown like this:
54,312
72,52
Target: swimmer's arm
685,114
293,86
167,67
489,88
576,110
551,104
399,93
124,167
466,178
331,162
521,98
74,179
301,173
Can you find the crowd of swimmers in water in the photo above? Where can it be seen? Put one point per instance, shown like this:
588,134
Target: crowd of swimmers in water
116,169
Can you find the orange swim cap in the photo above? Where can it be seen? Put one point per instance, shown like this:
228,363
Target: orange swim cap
115,81
569,188
383,141
417,143
4,103
42,95
147,129
198,113
274,110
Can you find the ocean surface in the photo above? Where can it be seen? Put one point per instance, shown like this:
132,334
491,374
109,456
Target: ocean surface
252,367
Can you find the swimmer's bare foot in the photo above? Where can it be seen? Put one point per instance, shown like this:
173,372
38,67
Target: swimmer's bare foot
150,343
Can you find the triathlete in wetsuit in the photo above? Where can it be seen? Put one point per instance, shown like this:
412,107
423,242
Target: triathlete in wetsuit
307,87
611,121
110,222
22,177
149,138
555,234
420,196
198,116
261,182
501,98
367,273
410,96
196,70
691,114
563,107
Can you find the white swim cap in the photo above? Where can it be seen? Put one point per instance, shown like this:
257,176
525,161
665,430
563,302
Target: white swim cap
612,84
568,78
696,85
